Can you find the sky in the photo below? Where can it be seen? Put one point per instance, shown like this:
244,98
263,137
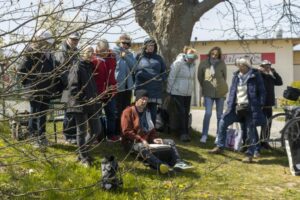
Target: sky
211,26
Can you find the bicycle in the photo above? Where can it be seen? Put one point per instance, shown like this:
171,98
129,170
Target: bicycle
281,125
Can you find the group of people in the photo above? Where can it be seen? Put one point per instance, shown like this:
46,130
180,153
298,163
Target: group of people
90,79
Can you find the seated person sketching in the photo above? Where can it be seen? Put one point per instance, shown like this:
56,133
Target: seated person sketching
138,131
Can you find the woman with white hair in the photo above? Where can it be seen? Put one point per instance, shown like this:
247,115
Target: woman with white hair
245,102
83,104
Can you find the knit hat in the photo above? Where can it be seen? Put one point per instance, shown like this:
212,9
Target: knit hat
149,41
140,93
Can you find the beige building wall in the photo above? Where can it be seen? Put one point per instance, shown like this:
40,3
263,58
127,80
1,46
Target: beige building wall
283,49
287,61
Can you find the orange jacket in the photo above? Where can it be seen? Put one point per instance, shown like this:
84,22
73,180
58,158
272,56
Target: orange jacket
131,130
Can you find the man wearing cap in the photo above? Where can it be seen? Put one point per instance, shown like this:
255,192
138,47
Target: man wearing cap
37,75
271,79
68,56
138,132
123,74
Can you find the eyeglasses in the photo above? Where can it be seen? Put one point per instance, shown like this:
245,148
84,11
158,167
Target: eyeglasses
127,43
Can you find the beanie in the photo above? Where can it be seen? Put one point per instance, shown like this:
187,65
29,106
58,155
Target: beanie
140,93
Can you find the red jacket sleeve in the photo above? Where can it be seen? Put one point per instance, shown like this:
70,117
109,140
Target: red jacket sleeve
100,74
127,126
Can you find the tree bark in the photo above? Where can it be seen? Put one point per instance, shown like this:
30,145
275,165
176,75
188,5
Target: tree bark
170,22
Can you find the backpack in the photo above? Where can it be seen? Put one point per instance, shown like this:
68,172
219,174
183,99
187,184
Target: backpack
291,93
109,169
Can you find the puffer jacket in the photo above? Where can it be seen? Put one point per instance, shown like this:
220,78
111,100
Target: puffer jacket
256,96
83,89
213,86
37,74
123,71
181,77
150,73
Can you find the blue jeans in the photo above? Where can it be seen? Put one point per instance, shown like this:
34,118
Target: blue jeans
247,125
37,120
84,139
110,112
208,103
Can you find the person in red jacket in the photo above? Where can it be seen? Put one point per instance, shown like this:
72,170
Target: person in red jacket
138,133
108,87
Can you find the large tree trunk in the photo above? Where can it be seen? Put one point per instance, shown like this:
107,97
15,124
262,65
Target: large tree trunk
170,22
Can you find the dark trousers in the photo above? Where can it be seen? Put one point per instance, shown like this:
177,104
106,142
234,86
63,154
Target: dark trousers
37,120
110,112
84,139
153,111
265,130
183,105
153,160
123,100
69,126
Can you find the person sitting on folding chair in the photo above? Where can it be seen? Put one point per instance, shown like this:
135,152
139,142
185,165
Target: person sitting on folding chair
138,133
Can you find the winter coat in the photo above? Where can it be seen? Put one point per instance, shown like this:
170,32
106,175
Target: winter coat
256,96
83,89
37,74
270,82
213,86
150,73
130,126
111,84
123,72
100,74
181,77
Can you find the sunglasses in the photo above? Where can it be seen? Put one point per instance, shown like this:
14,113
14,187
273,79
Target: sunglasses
127,43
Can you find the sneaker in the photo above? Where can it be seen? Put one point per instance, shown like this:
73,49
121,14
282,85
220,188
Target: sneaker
185,138
203,139
216,150
182,166
247,159
256,154
163,168
114,138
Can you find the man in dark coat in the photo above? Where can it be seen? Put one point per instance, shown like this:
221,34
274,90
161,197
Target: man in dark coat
271,79
37,75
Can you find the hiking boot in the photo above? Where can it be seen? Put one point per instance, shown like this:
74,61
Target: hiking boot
182,166
203,139
247,159
266,146
163,168
216,150
185,138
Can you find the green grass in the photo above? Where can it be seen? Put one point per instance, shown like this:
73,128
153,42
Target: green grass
29,174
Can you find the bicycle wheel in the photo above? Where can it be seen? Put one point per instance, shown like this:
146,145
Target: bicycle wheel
272,131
